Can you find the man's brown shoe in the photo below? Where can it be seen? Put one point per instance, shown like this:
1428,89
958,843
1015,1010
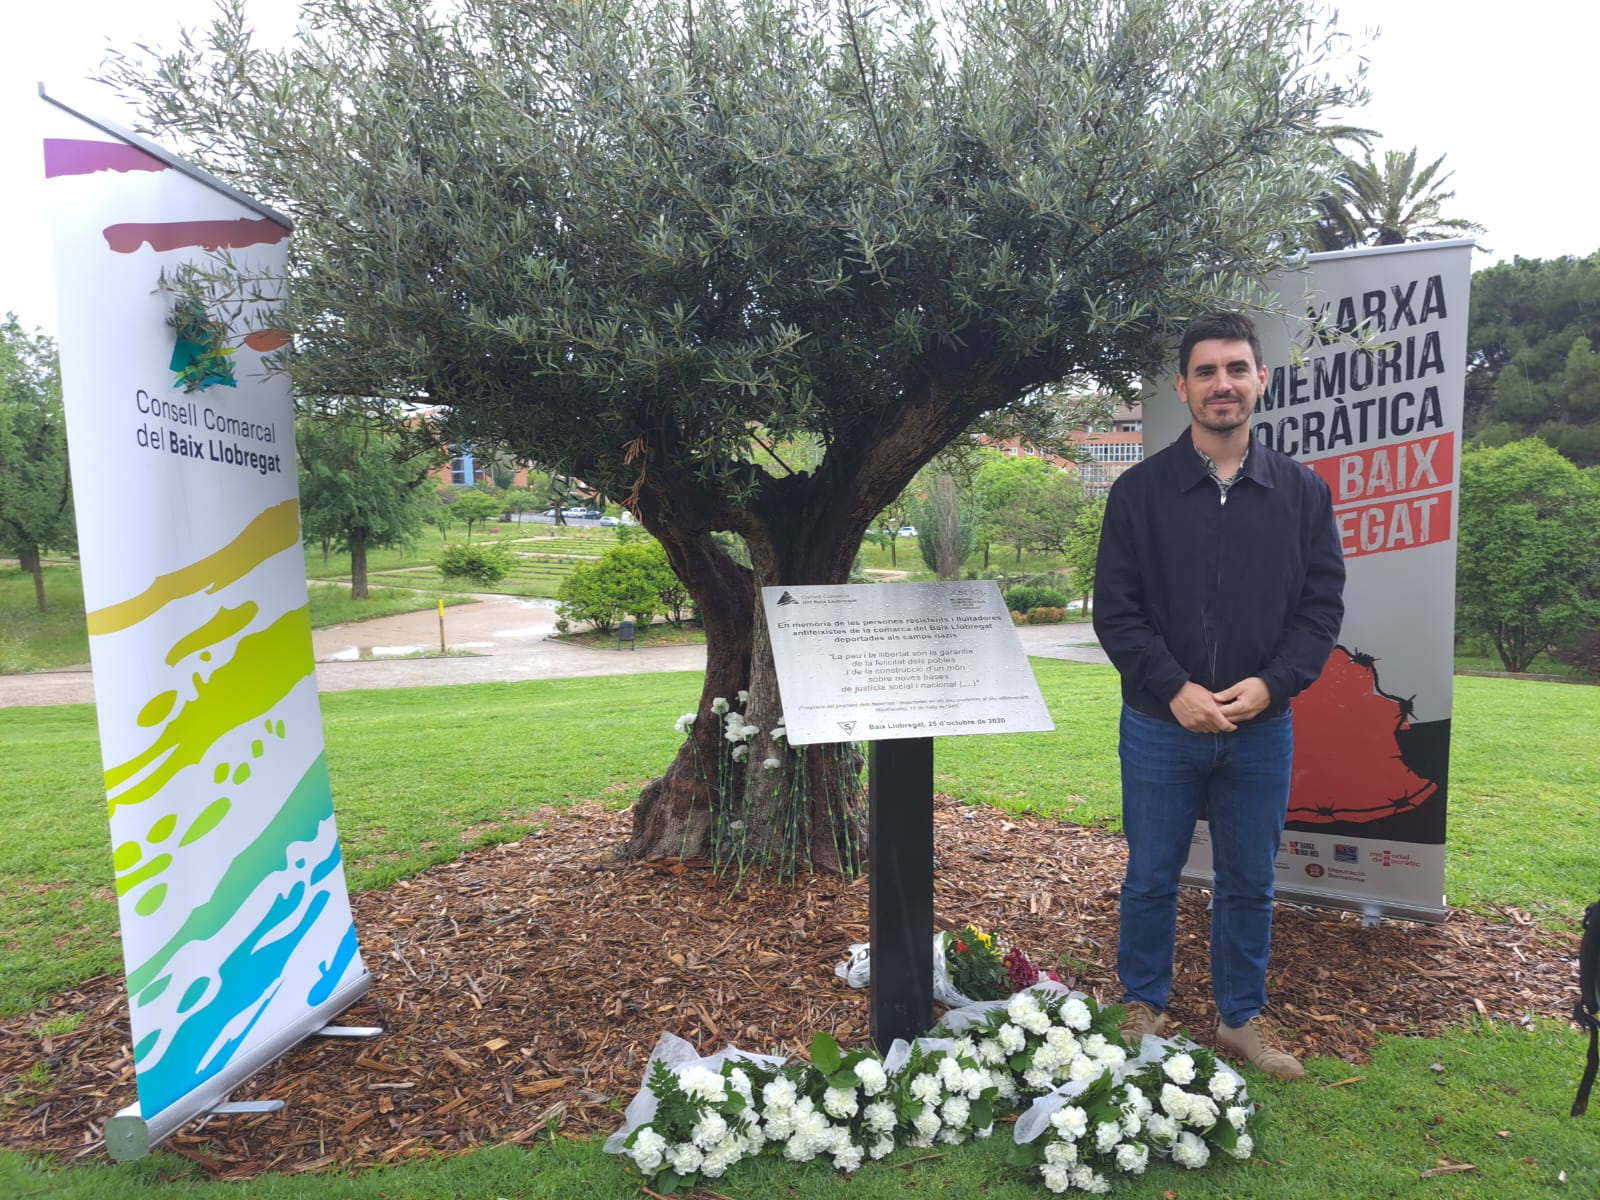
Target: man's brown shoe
1141,1020
1256,1042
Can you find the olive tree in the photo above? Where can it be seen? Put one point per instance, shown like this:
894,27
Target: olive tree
649,242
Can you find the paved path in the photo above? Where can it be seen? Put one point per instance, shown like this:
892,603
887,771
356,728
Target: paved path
508,639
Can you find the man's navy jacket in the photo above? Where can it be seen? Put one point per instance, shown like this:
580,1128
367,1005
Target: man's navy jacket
1189,588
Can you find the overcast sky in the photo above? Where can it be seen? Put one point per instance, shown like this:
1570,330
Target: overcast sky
1505,92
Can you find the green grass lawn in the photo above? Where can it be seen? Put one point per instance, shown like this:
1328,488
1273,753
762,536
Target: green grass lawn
1524,794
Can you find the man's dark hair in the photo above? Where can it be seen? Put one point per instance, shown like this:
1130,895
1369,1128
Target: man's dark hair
1223,326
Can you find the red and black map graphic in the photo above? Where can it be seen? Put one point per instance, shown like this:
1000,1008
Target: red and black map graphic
1362,764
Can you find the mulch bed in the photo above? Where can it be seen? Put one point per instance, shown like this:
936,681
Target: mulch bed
525,984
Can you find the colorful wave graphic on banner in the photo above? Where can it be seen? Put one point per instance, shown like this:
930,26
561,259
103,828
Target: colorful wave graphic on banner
199,994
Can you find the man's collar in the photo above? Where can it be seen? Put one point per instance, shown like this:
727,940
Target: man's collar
1192,468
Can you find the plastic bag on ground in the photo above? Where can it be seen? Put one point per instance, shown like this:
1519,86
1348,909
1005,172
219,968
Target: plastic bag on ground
857,972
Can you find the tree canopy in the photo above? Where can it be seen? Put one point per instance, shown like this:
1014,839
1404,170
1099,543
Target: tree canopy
35,484
360,487
1529,549
650,244
1387,203
1533,354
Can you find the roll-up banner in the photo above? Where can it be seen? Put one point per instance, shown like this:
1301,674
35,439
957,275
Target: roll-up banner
1382,426
236,927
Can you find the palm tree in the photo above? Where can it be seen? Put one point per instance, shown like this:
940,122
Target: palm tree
1385,206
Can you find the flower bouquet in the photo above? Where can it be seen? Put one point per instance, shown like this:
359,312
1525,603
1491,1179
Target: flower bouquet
1096,1113
969,966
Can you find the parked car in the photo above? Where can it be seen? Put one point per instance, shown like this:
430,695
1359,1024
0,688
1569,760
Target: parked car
580,514
609,521
908,531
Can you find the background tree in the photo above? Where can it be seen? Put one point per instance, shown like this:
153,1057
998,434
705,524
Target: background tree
1528,560
1386,203
473,506
35,484
947,515
438,510
1083,548
360,486
641,241
1533,355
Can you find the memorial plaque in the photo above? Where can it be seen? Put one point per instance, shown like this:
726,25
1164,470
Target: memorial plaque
873,662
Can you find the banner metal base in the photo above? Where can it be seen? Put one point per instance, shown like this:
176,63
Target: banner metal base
129,1135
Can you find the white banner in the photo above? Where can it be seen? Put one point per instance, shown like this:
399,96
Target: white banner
236,927
1366,824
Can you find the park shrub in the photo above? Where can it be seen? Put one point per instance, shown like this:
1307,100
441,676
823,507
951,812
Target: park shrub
1027,597
632,579
1046,615
480,564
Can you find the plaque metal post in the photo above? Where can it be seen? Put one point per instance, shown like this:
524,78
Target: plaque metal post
900,887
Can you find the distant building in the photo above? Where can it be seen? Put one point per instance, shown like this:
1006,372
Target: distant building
1107,452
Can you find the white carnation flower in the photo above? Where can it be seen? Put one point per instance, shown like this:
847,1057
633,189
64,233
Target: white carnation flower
849,1159
1238,1115
1160,1127
926,1089
1175,1101
881,1147
879,1117
744,696
1179,1068
1010,1038
771,764
648,1150
956,1111
1038,1079
872,1077
1244,1147
1060,1040
778,1094
1223,1085
1007,1087
719,705
1202,1112
780,733
1094,1045
722,1156
686,1159
840,1102
1190,1151
702,1084
1057,1179
709,1130
950,1073
975,1081
1074,1014
1061,1154
1070,1121
991,1052
1133,1158
1106,1135
1022,1004
952,1134
1083,1069
1134,1101
1087,1179
1112,1056
682,723
740,1082
966,1047
927,1122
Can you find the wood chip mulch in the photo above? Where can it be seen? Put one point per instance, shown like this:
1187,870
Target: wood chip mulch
524,985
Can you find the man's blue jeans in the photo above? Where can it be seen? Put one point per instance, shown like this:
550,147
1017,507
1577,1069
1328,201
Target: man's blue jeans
1243,780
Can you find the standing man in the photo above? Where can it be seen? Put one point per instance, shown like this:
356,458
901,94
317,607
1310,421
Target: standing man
1218,596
